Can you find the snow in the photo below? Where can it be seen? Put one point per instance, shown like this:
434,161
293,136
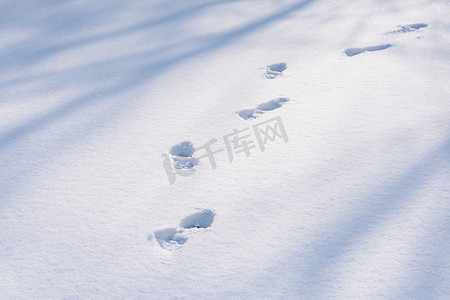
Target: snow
100,100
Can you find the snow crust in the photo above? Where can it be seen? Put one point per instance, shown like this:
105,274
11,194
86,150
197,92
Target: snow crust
101,100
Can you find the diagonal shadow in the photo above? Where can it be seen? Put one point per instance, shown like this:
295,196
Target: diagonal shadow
380,206
31,56
135,70
143,73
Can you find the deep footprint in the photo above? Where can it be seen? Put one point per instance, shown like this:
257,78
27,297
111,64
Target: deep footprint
260,109
355,51
182,155
201,219
174,238
170,238
275,70
408,28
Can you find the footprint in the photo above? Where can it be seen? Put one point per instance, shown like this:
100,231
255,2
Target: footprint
181,155
170,238
275,70
260,109
355,51
408,28
174,238
201,219
247,114
272,104
184,149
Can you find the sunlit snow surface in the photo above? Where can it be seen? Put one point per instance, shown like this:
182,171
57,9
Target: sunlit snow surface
352,203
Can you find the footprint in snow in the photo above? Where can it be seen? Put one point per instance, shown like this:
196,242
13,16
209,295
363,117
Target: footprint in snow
408,28
262,108
275,70
170,238
355,51
182,155
174,238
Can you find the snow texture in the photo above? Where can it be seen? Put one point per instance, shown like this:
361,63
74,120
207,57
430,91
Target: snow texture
354,206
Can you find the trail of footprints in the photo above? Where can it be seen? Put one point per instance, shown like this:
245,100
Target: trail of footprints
182,153
271,72
174,238
402,29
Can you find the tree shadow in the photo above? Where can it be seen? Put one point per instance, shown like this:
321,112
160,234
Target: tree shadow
140,71
28,61
316,266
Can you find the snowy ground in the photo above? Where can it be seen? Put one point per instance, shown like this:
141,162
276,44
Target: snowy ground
352,203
